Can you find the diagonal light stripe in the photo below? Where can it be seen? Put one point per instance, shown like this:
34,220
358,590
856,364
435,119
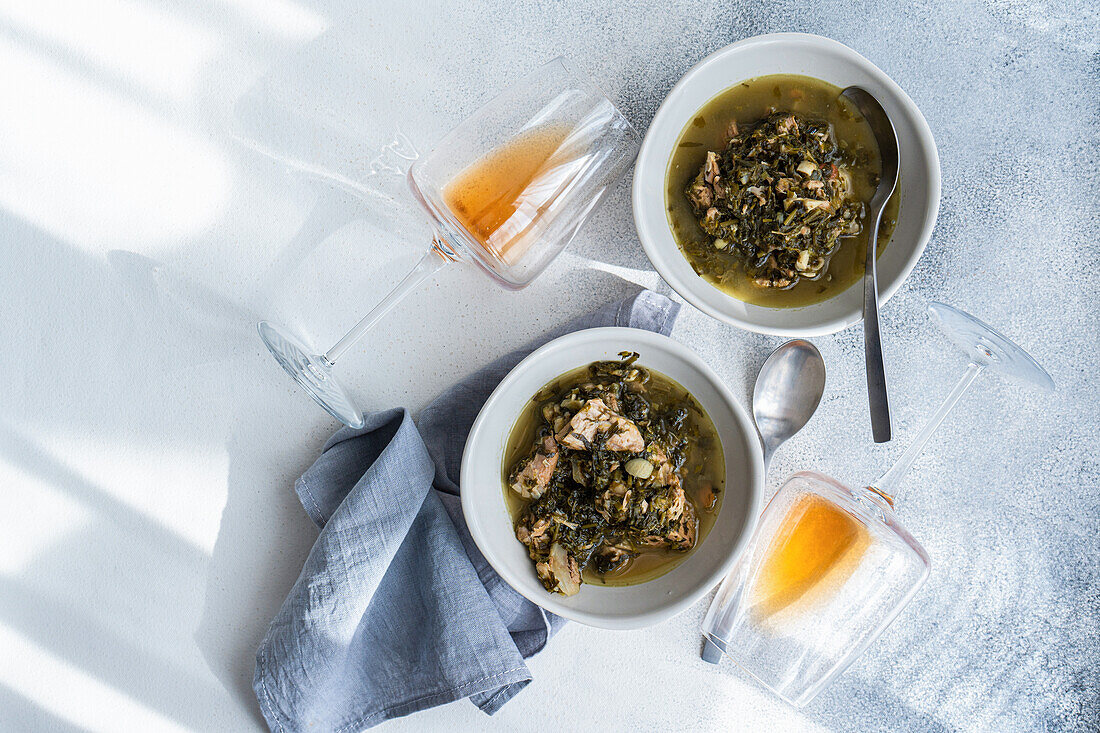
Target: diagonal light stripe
69,693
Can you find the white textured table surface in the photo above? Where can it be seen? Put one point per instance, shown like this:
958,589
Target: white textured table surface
148,444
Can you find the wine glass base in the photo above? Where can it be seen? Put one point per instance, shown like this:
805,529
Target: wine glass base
313,373
988,347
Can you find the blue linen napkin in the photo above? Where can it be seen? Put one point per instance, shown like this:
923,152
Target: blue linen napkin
395,609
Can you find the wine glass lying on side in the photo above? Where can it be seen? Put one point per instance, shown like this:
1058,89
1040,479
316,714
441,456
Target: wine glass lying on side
507,189
830,567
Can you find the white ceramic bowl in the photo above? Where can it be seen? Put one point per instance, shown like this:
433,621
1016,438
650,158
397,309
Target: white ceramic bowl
786,53
612,607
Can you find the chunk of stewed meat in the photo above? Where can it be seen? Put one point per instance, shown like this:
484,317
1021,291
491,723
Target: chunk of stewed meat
533,476
596,417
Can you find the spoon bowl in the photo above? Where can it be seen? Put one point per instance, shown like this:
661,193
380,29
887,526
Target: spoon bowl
788,391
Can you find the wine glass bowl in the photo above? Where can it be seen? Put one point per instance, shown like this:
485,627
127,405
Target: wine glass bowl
829,569
569,144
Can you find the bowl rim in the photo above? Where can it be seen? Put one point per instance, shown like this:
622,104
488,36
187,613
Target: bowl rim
642,339
645,164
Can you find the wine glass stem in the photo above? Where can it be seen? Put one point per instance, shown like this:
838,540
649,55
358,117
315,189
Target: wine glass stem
429,264
888,483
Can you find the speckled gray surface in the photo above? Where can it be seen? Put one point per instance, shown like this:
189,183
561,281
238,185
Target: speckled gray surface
1007,501
147,554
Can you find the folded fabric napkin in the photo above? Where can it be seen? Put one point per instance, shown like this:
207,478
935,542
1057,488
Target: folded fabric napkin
396,610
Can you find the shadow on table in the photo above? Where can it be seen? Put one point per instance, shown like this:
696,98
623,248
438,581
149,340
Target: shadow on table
858,705
111,631
20,713
117,594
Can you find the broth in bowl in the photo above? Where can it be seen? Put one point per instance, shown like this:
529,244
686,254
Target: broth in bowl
766,191
613,474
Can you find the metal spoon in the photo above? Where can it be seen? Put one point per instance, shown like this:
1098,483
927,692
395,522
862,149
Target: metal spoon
887,140
788,390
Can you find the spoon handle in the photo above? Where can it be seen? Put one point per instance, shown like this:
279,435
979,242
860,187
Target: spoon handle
872,342
768,451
